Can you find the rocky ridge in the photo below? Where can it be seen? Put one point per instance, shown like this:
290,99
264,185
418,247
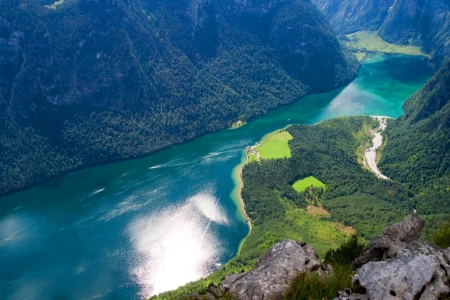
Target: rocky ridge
394,265
272,273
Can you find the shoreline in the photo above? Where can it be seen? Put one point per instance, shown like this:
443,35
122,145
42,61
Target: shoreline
236,196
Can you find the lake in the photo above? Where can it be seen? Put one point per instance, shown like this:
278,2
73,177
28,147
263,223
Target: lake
132,229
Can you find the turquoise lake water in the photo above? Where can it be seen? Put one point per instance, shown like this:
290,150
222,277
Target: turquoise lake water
132,229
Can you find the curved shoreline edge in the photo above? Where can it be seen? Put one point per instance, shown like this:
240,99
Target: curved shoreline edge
236,196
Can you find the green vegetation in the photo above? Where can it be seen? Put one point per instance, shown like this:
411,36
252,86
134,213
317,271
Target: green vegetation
329,151
371,41
91,82
417,153
277,211
442,236
313,286
311,181
275,145
346,253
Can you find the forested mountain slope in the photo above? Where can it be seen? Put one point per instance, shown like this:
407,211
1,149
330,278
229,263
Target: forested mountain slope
407,22
351,16
431,104
89,82
417,152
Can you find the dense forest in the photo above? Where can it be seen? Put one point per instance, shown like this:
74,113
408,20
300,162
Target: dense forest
330,152
89,82
417,152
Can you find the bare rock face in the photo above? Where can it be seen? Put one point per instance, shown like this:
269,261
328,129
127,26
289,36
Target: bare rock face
393,238
273,272
398,266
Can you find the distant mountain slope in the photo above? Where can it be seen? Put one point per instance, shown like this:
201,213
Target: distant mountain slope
431,104
417,152
407,22
350,16
85,82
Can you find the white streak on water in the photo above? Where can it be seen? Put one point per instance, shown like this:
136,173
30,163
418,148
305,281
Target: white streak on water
96,192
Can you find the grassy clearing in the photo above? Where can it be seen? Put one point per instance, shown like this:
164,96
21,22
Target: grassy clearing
360,55
318,231
275,145
302,184
371,41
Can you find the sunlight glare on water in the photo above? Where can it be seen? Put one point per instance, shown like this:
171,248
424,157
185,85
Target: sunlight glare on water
163,241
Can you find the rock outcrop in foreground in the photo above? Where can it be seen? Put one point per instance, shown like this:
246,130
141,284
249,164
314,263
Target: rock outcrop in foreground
272,274
396,265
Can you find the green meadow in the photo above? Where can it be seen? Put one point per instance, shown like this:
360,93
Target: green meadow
371,41
275,145
311,181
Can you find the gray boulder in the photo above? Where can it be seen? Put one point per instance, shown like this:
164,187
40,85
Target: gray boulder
398,266
393,238
274,272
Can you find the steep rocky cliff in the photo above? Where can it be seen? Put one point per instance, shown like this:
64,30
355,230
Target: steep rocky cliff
407,22
92,81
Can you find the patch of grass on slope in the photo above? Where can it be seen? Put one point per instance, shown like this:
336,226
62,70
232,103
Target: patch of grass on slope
311,181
